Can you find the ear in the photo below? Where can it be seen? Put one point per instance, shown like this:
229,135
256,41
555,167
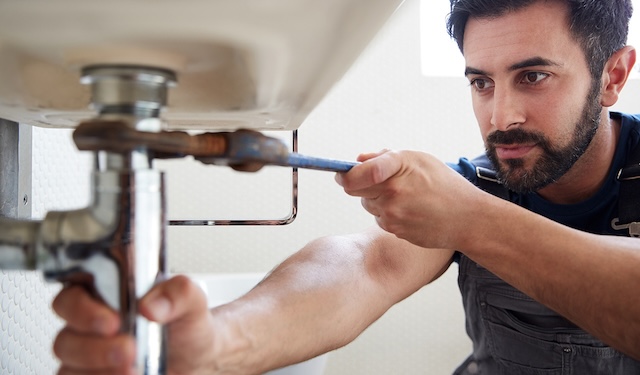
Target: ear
615,74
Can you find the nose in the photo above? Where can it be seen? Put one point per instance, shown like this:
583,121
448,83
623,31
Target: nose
508,109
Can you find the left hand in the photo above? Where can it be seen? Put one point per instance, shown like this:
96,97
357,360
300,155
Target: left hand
90,342
414,196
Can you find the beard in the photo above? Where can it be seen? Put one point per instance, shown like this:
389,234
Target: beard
555,161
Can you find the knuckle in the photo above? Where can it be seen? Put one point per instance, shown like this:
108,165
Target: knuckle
61,302
366,204
180,285
382,223
377,173
183,287
349,191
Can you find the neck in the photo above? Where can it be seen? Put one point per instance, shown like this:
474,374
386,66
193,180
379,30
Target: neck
588,174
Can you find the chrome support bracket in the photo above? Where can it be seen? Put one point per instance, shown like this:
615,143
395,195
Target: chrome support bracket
15,170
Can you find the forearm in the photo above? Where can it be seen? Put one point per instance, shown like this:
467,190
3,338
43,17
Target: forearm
287,318
590,279
321,298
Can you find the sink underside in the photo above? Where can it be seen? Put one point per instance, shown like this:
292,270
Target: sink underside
240,63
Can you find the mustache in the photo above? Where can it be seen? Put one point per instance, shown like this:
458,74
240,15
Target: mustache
514,136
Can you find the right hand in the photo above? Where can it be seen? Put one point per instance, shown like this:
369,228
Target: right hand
91,344
416,197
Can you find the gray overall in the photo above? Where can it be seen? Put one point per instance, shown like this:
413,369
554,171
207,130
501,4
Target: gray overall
514,335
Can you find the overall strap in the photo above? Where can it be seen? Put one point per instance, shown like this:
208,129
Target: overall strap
487,178
629,199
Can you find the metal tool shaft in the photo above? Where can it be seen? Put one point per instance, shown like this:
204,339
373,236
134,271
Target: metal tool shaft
309,162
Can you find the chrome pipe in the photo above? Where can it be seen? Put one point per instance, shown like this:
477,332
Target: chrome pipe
136,96
18,244
115,247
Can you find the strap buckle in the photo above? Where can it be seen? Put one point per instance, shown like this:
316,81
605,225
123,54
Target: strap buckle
487,174
631,172
633,227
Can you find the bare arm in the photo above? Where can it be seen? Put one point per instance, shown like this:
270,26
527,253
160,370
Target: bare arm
590,279
324,296
319,299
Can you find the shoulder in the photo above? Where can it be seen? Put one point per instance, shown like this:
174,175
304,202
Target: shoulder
630,129
466,167
630,122
481,173
473,169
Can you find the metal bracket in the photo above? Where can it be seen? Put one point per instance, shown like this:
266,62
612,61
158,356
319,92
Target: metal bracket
15,170
281,221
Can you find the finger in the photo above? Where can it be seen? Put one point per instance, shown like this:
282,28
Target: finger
382,224
370,206
361,158
356,185
368,192
374,171
370,155
84,313
247,167
85,352
178,297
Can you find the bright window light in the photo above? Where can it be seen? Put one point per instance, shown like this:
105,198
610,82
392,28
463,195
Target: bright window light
441,57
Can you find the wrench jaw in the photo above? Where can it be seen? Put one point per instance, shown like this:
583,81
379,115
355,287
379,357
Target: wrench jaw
249,151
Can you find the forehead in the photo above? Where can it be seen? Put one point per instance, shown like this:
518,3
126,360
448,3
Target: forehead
538,30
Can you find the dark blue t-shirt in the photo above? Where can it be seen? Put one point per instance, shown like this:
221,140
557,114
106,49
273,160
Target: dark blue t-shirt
594,215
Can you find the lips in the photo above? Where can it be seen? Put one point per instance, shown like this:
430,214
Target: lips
512,151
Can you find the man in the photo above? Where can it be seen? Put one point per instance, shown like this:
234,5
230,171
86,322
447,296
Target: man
541,295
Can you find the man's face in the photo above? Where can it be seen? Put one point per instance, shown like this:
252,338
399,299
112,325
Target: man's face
536,103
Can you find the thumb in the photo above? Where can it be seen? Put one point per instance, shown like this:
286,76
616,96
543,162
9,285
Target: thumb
374,171
177,298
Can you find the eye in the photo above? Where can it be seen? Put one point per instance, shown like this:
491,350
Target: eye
534,77
481,84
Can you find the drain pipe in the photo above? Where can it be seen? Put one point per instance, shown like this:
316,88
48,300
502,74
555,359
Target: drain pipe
116,246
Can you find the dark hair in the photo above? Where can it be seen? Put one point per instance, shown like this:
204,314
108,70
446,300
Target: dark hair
600,26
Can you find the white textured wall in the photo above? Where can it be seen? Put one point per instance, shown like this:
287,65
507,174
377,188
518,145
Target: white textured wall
60,182
383,101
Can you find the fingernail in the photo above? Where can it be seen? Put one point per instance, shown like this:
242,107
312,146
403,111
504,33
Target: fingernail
160,308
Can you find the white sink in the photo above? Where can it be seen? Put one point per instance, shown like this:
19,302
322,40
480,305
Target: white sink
240,63
222,288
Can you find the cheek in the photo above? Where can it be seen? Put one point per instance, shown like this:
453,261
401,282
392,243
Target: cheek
563,111
483,117
559,118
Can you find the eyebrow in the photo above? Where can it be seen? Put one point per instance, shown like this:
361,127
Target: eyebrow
534,61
